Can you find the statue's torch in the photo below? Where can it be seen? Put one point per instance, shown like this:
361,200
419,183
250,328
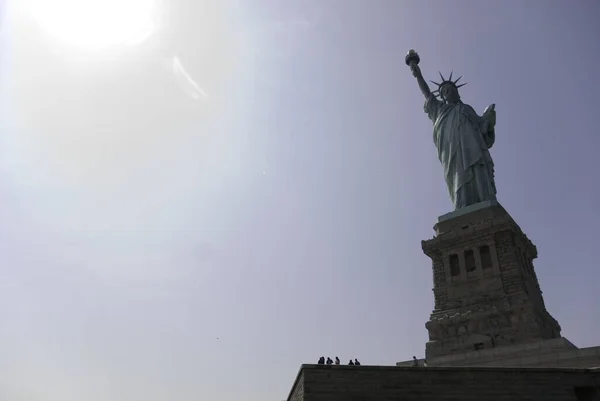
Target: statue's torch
412,58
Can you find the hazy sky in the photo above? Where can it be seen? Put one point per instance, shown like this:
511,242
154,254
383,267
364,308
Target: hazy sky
195,216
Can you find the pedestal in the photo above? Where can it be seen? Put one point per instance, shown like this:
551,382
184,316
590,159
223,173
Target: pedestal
486,291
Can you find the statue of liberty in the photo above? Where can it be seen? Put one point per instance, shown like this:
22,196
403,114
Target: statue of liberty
462,138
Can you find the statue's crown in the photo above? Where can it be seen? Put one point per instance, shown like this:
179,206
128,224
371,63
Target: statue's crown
438,91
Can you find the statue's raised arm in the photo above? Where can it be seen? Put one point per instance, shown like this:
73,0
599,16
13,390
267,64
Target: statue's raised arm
412,60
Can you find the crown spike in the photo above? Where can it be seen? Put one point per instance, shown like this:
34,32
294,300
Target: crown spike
433,82
458,86
450,77
441,76
458,79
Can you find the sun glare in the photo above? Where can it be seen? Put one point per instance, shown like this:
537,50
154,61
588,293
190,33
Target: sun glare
96,24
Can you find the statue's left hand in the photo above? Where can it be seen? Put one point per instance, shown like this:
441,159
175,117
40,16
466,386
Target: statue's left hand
490,115
492,118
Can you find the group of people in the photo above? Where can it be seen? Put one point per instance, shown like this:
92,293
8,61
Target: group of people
329,361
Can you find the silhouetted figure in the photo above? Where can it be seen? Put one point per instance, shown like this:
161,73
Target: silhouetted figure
356,363
329,361
351,363
337,360
321,360
415,362
425,362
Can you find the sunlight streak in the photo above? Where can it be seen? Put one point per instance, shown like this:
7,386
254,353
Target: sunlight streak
186,82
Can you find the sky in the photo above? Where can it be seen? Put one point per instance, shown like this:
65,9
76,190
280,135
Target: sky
246,187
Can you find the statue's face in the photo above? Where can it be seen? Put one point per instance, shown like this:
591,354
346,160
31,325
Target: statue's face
450,93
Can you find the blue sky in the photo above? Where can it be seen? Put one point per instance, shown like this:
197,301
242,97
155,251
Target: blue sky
157,244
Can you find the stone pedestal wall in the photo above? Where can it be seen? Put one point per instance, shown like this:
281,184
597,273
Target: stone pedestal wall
374,383
486,291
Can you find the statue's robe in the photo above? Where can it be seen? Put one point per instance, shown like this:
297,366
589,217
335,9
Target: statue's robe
463,140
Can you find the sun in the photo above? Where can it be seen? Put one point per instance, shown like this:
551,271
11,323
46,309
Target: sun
95,24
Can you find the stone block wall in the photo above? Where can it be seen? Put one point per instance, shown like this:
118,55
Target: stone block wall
378,383
485,289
